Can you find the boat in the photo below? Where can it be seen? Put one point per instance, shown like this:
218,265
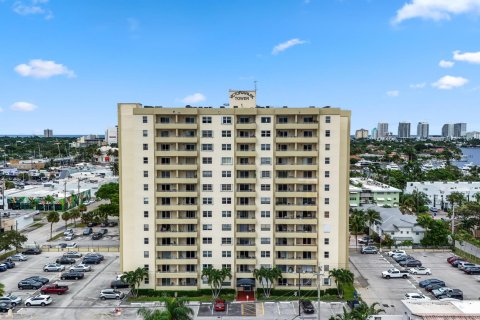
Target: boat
392,166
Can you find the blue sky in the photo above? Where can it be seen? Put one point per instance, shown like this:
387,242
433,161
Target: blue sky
66,64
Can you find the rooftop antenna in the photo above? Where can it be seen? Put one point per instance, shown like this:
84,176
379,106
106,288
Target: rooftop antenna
255,84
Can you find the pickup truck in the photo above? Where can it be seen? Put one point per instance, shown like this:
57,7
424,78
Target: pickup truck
54,288
395,273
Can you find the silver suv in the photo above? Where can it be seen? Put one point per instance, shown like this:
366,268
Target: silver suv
111,294
55,267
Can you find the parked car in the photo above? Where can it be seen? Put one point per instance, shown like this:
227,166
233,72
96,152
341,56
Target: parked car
33,251
396,251
416,297
72,275
65,260
72,254
472,270
69,237
18,257
42,280
4,307
103,231
113,224
81,268
307,306
453,294
53,267
61,245
40,300
434,286
29,284
9,263
402,257
95,254
91,260
111,294
420,270
92,224
11,300
87,231
118,284
465,264
440,291
410,263
54,288
68,231
97,236
452,258
3,267
72,245
427,282
369,250
456,263
219,305
395,273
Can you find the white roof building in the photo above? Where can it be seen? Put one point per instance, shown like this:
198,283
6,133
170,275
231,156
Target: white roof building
438,191
442,310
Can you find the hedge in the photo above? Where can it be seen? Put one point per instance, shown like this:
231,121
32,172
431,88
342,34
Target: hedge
197,293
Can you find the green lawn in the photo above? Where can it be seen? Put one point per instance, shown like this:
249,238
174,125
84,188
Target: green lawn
205,298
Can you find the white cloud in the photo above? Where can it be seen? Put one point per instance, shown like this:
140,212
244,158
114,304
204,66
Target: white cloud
287,44
449,82
23,106
472,57
446,63
436,9
133,24
418,85
393,93
194,98
38,68
26,7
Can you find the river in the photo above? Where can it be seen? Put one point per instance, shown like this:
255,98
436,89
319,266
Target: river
470,155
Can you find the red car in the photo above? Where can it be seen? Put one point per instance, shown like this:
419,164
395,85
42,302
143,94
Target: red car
219,305
452,258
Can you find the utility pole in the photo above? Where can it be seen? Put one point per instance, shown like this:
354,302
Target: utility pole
65,195
319,278
299,285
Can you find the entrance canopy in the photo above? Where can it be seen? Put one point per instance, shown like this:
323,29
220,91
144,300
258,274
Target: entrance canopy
245,282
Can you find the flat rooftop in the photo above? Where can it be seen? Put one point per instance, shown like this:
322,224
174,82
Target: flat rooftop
435,309
372,185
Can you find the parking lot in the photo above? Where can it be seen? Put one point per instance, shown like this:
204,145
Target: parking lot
110,239
373,288
80,302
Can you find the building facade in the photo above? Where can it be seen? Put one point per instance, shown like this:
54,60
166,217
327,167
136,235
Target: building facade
111,135
382,130
438,191
423,130
404,130
472,135
459,130
47,133
447,130
361,134
365,191
239,187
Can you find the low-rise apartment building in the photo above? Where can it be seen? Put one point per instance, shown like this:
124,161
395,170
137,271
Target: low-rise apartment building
438,191
365,191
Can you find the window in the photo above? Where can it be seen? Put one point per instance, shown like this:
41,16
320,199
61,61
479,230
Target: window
226,254
207,240
207,227
265,146
145,174
164,120
207,214
266,133
265,200
145,240
226,146
307,147
226,214
265,120
265,187
145,187
145,160
145,146
165,160
145,227
227,160
327,146
265,240
226,133
327,200
327,174
145,200
326,187
207,200
282,119
326,254
265,214
206,119
226,174
207,174
207,254
265,254
144,119
227,200
265,227
145,133
328,119
308,133
326,241
226,187
326,281
207,187
266,160
266,174
227,266
326,214
226,227
207,147
190,120
327,133
146,254
145,214
227,241
207,134
227,120
206,160
327,160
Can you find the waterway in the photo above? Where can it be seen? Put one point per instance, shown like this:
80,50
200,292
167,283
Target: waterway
470,155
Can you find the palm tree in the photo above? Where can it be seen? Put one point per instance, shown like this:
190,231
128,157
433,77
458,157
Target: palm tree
266,277
49,200
75,214
342,277
52,217
134,278
477,196
65,217
456,198
345,316
175,309
357,223
372,216
82,208
33,202
216,278
364,311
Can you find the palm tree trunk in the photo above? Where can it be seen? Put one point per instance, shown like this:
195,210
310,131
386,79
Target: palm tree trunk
356,241
51,230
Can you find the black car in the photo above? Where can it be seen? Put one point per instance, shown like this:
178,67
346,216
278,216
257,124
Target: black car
97,236
307,306
91,260
435,286
95,254
29,284
117,284
472,270
92,224
402,258
410,263
72,275
42,280
4,307
62,245
34,251
427,282
9,263
112,224
65,260
103,231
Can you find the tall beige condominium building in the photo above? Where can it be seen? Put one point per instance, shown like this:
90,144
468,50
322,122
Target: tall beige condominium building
239,187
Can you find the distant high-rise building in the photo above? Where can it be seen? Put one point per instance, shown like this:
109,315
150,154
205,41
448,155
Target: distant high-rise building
459,130
382,129
374,133
47,133
361,134
111,135
447,130
422,130
472,135
404,130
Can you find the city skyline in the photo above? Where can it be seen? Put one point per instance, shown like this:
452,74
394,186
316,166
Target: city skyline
73,63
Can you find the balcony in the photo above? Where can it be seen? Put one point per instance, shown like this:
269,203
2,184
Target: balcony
176,274
176,261
296,261
293,247
246,126
294,207
175,125
176,247
292,233
178,220
176,234
246,167
186,180
176,139
177,207
246,153
175,194
246,139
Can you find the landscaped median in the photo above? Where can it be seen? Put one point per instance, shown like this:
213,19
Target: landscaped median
202,295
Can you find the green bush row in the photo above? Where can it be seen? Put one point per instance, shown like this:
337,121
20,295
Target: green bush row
197,293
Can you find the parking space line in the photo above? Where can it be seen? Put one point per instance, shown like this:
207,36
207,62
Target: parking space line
278,307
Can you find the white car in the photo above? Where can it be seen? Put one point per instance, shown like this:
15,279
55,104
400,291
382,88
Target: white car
53,267
68,231
119,276
81,268
396,251
420,270
12,300
111,294
72,245
416,297
18,257
40,300
69,237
